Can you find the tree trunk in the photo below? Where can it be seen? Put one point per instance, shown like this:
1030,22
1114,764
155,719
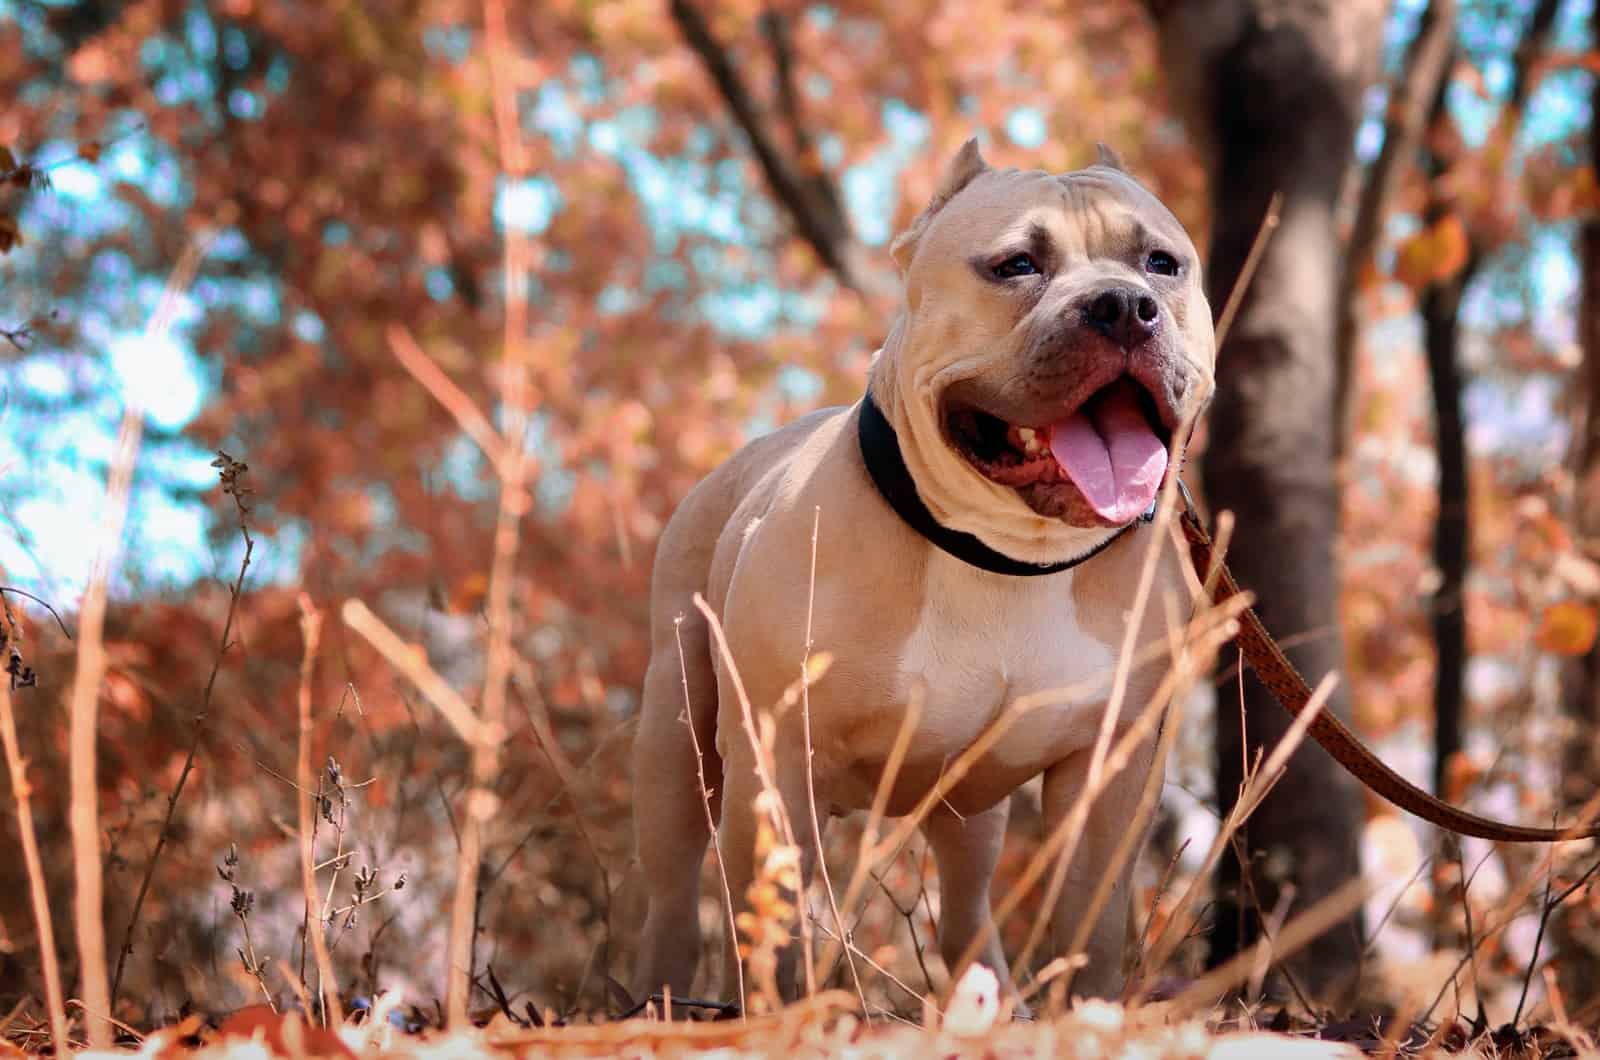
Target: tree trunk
1441,307
1275,90
1580,684
1574,931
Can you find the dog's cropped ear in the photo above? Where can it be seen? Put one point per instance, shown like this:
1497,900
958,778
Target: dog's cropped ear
1108,158
962,170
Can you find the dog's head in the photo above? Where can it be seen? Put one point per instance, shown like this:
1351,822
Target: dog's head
1054,335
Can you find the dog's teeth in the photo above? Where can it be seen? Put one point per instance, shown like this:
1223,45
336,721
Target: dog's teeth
1027,439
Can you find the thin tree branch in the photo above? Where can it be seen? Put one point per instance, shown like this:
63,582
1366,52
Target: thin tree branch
1427,62
826,229
1527,60
775,27
456,401
1441,304
515,391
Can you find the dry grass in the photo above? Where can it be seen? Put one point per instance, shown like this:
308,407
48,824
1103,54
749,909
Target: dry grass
22,793
83,712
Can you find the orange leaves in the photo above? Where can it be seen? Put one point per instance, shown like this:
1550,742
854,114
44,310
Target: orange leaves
282,1034
1434,254
1555,191
1567,628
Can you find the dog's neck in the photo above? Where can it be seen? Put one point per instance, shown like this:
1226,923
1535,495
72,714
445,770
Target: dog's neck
890,443
880,451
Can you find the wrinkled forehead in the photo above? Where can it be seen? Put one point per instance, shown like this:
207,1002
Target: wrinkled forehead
1091,212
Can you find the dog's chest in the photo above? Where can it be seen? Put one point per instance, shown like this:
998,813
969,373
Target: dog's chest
979,646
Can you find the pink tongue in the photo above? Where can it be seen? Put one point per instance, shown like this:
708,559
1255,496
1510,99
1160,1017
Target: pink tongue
1111,454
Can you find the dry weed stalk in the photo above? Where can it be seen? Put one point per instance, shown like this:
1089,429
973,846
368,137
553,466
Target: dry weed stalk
806,678
711,823
229,471
512,468
775,896
160,321
507,451
772,815
1296,933
1510,907
89,897
1258,783
242,903
21,791
311,633
1247,272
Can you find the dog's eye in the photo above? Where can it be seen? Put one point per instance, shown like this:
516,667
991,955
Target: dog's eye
1161,263
1016,265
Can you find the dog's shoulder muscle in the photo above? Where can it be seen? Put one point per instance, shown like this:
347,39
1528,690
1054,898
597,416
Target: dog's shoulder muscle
719,502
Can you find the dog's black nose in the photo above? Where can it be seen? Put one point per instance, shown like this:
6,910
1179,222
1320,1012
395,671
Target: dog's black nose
1125,315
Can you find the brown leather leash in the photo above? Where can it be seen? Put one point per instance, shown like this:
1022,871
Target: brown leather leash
1274,670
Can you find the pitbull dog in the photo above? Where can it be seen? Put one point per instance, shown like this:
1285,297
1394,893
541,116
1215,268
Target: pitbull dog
1019,419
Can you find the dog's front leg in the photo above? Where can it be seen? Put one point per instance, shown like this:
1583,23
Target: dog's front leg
1110,817
966,850
736,839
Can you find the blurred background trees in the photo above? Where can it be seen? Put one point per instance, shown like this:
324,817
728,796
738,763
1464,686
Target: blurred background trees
712,190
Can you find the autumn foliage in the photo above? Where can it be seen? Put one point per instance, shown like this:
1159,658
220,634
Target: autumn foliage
324,189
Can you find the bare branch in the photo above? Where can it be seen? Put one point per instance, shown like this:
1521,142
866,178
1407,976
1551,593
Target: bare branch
1527,61
456,401
818,218
1427,62
775,27
415,667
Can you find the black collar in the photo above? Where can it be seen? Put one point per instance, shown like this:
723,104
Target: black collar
881,451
